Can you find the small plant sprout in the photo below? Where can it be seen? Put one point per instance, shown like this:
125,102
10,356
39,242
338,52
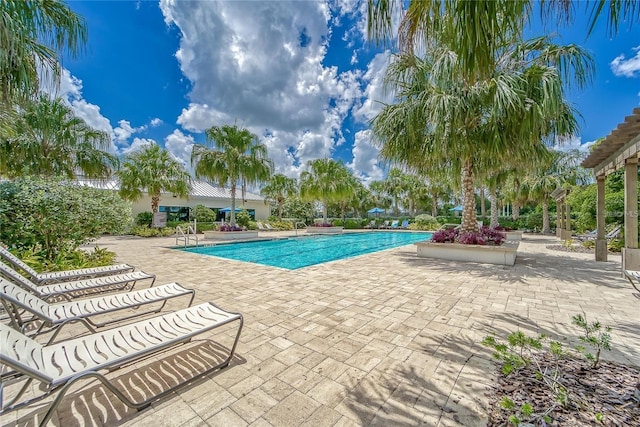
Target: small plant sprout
593,336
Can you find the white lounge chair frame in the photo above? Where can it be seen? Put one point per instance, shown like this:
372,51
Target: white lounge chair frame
68,290
16,301
62,276
634,277
113,348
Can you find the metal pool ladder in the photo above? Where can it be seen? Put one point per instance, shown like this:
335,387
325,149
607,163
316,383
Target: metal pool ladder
185,238
296,226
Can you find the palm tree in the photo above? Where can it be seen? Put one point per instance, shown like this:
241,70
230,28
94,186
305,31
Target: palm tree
279,188
395,186
153,169
362,200
380,196
324,181
237,157
32,35
443,121
477,30
51,141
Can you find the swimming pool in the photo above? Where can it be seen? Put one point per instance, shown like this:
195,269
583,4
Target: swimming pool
299,252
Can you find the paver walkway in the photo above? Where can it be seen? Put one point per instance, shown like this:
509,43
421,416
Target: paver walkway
382,339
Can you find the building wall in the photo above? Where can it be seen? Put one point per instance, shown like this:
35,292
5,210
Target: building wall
260,207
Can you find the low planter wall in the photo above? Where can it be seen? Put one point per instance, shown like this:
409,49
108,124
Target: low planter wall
230,235
504,254
324,230
514,235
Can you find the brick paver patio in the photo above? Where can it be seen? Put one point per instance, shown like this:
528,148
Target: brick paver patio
382,339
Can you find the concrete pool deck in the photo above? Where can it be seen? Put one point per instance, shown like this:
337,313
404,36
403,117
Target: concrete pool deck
381,339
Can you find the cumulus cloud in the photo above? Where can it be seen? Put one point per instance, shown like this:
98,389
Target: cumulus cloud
623,67
180,146
155,122
572,143
375,94
124,130
260,64
137,144
365,158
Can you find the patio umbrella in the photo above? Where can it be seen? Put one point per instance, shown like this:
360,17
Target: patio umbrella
456,209
376,211
228,209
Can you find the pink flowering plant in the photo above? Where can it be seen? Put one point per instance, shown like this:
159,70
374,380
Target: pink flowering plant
486,236
322,224
229,227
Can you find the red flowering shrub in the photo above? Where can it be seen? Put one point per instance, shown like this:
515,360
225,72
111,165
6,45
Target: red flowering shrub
228,227
487,236
322,224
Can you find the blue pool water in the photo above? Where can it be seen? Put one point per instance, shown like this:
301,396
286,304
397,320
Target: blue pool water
298,252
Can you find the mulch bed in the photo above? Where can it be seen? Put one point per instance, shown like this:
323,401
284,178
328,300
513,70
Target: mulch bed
611,390
575,249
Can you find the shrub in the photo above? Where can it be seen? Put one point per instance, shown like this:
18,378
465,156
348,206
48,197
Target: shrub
615,245
228,227
424,222
58,215
322,224
204,214
144,218
281,225
36,258
242,218
474,238
448,235
336,223
352,224
146,231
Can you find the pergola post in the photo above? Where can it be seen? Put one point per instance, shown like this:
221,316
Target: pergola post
559,219
630,252
567,226
601,241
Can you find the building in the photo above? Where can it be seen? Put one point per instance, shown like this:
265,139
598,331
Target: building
202,193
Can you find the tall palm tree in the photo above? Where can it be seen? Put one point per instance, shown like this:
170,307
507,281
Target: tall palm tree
237,157
32,35
153,169
51,141
395,186
324,181
477,30
446,122
380,196
362,200
279,188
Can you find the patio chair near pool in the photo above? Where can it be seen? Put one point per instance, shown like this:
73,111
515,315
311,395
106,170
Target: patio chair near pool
61,276
394,223
261,226
405,224
634,278
371,225
59,366
68,290
17,303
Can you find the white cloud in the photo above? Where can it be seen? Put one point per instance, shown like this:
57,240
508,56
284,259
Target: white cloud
124,131
136,144
365,158
623,67
375,94
260,64
572,143
180,146
155,122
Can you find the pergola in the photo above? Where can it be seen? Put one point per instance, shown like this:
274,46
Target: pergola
619,150
563,219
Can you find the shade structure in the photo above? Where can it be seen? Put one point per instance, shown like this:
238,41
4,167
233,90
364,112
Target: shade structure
228,209
375,210
456,209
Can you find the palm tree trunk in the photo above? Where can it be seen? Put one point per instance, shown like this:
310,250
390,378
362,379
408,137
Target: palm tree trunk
325,208
232,220
155,202
493,195
483,207
280,203
545,218
434,204
469,221
395,206
515,214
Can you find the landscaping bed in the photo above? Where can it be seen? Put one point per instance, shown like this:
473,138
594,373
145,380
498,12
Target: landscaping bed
609,390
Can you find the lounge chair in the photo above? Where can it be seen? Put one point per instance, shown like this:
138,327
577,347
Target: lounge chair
16,302
405,224
68,290
385,224
592,235
260,226
269,227
394,223
371,225
589,235
58,366
61,276
634,277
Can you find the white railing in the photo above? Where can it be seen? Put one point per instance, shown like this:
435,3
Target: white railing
296,226
185,238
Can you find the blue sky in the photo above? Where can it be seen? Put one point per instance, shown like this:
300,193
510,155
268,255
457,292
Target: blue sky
299,74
